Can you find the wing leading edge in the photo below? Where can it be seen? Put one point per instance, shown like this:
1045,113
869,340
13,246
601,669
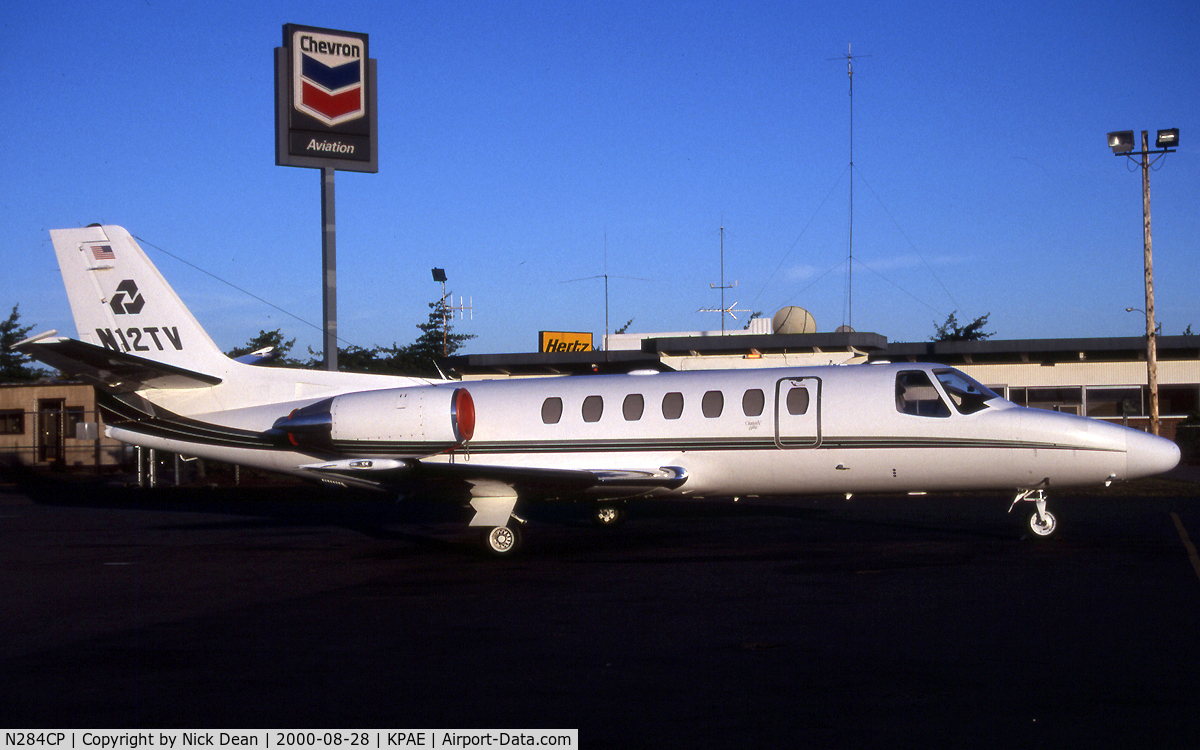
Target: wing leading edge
470,478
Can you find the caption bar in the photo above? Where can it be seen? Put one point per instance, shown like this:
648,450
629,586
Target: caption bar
169,739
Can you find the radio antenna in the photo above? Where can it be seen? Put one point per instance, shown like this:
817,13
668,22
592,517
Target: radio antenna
723,309
849,58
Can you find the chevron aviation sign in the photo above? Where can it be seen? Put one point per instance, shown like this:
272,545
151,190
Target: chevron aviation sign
326,100
327,77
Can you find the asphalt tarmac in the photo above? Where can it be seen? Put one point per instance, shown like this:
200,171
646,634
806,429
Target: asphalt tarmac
882,621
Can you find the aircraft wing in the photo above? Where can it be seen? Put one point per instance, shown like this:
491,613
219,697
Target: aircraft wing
437,477
116,371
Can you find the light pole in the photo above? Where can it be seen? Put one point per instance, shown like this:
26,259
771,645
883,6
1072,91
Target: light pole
439,274
1121,143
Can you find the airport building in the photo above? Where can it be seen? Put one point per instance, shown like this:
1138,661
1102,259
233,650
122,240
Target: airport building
56,423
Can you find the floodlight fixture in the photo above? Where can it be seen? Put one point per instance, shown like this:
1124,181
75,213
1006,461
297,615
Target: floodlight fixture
439,274
1167,138
1121,141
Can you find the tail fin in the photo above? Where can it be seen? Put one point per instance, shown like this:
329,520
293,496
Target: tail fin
121,302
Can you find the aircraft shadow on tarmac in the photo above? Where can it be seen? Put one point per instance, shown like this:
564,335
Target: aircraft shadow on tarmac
383,517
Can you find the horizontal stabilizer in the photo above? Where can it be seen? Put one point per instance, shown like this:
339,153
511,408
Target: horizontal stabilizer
264,356
113,370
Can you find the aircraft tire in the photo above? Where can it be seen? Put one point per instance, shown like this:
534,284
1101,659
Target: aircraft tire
502,541
1038,530
608,515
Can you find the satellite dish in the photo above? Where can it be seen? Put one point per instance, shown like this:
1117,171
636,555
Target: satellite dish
793,319
844,329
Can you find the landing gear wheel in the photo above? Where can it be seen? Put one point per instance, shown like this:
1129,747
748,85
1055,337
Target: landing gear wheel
608,515
1041,525
502,540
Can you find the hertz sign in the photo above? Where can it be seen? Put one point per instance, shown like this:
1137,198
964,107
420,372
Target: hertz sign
564,341
325,100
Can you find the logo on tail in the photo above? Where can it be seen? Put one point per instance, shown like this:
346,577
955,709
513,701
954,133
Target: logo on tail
135,301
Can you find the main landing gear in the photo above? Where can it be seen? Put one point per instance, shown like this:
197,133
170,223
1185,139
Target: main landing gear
607,515
503,541
506,540
1041,523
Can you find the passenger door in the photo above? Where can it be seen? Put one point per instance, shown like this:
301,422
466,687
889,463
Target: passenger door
798,413
50,430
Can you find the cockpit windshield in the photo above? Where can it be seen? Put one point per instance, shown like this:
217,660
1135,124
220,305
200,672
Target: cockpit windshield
967,394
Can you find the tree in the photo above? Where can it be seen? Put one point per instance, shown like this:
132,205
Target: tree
421,355
952,331
358,359
273,339
14,366
418,358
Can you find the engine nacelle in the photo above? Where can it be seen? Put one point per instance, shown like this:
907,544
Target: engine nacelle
399,422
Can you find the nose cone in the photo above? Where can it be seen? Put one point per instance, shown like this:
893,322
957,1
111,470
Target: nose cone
1148,454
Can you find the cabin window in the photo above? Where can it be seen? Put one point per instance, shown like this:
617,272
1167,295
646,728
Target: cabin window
712,404
916,395
552,410
593,407
12,422
797,401
968,396
672,405
633,407
753,402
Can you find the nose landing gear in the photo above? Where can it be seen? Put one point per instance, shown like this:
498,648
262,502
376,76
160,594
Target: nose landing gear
1041,523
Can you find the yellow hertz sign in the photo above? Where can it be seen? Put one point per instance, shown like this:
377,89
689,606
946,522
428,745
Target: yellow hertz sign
564,341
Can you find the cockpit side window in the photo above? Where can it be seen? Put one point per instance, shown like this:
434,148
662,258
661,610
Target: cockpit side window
916,395
967,394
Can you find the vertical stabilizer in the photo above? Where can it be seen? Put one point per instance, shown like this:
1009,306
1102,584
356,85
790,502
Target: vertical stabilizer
120,301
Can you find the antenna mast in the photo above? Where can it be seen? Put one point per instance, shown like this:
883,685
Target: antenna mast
850,263
849,58
723,309
448,310
723,286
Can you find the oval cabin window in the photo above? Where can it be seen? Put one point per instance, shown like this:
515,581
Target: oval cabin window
753,402
552,410
633,407
712,404
593,407
672,405
797,401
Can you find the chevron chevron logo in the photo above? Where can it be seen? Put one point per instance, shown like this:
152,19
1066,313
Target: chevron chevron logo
328,77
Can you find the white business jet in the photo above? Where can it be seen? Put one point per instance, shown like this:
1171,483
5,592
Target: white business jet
892,428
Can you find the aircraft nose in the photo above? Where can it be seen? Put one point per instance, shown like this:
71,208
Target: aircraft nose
1147,455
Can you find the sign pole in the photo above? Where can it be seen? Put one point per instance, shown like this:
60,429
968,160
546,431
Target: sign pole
329,267
326,118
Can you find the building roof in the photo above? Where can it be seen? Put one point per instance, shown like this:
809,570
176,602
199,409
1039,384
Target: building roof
877,348
1040,351
553,363
654,349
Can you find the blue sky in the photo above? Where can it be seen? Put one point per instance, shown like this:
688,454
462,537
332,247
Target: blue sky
527,144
